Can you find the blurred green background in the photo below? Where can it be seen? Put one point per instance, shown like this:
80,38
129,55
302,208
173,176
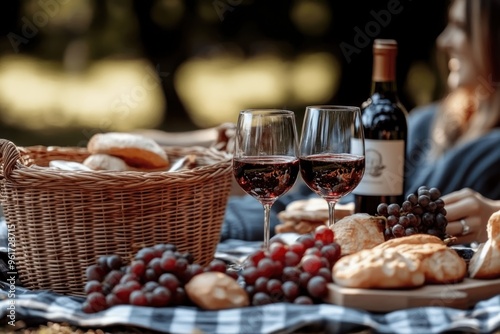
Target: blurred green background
72,68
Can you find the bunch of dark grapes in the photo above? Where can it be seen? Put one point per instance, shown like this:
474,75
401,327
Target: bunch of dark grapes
155,277
295,273
421,212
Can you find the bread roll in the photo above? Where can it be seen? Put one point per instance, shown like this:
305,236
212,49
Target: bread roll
216,291
137,151
425,258
378,268
357,232
493,229
485,263
106,162
439,263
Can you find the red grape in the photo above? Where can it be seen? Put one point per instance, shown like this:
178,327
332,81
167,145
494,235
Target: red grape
97,301
160,297
307,240
169,281
256,256
313,251
92,286
311,264
168,262
250,274
317,287
112,300
102,262
298,248
137,267
232,273
181,265
304,279
274,289
122,292
113,277
138,298
155,264
266,267
193,270
114,262
332,253
217,265
291,259
159,249
326,273
146,254
95,272
291,274
277,251
278,269
261,284
179,296
150,275
150,286
261,298
128,277
324,234
290,290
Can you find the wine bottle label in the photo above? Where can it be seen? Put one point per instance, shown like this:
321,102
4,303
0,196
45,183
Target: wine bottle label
384,167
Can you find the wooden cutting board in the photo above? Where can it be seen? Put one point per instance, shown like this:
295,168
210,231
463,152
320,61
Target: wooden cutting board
462,296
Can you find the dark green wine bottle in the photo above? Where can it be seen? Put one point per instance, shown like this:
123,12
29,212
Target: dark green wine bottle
385,126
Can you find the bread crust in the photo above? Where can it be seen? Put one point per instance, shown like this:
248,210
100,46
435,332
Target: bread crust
485,263
439,263
493,229
428,262
105,162
357,232
137,151
418,239
216,291
378,268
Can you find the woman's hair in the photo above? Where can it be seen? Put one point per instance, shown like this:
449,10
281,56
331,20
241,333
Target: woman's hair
460,118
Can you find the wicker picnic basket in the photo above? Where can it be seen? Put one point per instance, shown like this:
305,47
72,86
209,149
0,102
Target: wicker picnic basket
64,220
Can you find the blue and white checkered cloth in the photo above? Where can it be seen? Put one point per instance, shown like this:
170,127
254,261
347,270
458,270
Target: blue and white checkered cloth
273,318
43,306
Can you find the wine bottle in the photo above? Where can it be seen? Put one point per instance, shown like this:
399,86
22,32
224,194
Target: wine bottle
385,127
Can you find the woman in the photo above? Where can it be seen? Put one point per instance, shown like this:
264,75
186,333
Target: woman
455,144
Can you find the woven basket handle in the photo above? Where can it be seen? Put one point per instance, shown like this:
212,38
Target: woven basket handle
9,157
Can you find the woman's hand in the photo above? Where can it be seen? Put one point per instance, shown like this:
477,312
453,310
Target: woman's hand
467,207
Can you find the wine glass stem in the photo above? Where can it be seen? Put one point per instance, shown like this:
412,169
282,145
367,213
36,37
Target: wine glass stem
331,213
267,225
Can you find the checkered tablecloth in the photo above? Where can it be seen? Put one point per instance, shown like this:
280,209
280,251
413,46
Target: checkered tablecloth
43,306
273,318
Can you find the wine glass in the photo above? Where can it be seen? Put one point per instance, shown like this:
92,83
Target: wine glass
265,162
332,152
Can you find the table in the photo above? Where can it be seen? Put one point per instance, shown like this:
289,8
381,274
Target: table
35,306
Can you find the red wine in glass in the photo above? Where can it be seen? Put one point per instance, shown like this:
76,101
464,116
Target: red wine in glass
266,177
332,152
332,176
265,162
